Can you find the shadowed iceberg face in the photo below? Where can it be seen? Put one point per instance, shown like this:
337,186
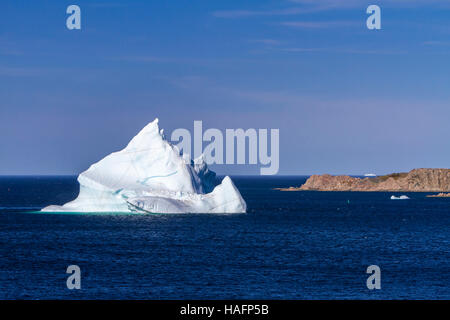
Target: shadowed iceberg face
151,176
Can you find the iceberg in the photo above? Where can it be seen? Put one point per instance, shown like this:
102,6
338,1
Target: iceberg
150,175
399,198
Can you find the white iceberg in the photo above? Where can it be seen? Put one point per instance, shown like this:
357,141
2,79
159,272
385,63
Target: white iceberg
399,198
151,176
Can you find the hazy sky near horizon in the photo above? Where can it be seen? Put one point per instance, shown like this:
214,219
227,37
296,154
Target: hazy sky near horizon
346,99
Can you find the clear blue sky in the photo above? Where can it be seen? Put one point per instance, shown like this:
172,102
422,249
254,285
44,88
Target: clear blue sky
346,99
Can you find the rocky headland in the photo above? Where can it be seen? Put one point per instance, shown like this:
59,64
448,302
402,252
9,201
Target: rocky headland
417,180
440,195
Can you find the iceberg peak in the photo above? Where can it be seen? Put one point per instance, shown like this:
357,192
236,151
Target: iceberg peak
151,176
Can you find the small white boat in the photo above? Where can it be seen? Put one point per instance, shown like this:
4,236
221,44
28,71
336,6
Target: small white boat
400,198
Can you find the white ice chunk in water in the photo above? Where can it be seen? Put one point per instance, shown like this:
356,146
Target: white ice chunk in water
150,176
399,198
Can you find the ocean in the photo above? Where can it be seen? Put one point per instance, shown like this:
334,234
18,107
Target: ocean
290,245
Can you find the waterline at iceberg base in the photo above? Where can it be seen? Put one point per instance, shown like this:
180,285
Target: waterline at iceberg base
151,176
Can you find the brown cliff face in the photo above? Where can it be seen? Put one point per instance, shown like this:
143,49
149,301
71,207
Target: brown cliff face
417,180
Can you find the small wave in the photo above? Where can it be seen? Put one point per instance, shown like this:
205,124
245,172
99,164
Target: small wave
20,208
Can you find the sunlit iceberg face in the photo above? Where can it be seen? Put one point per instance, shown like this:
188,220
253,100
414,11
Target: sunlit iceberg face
151,176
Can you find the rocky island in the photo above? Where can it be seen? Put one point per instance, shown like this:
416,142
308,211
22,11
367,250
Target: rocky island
417,180
440,195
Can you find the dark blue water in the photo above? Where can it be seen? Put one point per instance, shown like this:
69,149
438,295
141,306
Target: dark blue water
290,245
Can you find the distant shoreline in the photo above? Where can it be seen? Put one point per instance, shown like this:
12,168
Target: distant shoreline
298,189
440,195
417,180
